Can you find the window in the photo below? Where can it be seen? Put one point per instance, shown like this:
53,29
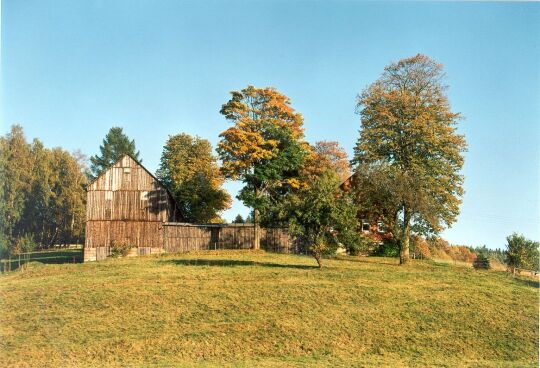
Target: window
380,227
365,226
126,182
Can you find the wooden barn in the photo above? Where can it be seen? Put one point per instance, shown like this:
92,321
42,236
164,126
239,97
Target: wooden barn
126,207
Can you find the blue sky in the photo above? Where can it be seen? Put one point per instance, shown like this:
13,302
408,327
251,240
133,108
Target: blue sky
72,69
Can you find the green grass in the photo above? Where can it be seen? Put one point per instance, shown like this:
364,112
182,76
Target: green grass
245,309
54,256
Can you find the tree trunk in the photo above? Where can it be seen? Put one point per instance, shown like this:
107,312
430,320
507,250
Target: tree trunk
257,230
318,258
404,244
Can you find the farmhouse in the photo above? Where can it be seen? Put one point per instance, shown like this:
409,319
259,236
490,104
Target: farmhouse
370,224
127,207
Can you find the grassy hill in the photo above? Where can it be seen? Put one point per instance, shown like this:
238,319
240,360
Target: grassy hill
244,309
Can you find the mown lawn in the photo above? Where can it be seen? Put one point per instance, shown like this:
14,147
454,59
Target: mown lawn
245,308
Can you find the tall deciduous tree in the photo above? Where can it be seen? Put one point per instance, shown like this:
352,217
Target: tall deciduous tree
264,148
522,252
115,144
190,171
16,173
49,204
408,128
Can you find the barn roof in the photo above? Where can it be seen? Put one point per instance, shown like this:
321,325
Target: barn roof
138,163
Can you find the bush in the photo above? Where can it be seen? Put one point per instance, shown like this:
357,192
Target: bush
481,263
387,248
357,243
419,247
120,249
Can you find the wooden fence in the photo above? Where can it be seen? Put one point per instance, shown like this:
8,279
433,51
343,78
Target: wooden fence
179,237
174,237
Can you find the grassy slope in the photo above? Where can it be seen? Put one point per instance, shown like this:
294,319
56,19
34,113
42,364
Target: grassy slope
247,308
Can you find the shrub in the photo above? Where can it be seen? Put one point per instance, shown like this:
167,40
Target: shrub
20,244
481,263
120,249
4,246
358,244
419,247
389,248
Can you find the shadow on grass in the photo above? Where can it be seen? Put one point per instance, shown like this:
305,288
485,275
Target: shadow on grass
233,263
370,260
45,257
527,282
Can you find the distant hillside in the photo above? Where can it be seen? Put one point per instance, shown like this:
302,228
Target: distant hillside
230,308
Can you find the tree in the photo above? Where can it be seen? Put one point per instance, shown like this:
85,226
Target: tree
323,156
115,145
322,217
43,195
238,219
481,262
409,132
16,174
264,148
522,252
190,171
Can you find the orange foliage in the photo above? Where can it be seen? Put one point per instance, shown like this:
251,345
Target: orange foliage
327,156
255,112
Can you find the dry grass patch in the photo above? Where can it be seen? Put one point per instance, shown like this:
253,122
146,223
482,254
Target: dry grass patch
244,308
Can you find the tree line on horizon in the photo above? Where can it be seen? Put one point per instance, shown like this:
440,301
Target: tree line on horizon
406,166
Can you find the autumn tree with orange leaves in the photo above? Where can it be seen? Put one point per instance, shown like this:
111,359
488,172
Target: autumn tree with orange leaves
324,156
264,148
408,133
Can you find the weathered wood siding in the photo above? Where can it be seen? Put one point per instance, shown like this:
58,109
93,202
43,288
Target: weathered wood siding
179,237
126,205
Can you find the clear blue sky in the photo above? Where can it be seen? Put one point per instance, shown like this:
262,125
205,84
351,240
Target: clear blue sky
72,69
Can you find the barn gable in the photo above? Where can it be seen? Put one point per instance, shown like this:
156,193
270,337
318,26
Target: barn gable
126,205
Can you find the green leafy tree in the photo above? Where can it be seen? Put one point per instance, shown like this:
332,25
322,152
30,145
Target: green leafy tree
522,252
264,148
115,145
408,131
16,178
322,217
190,171
49,204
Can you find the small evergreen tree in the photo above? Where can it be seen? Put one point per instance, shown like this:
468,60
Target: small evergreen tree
115,144
238,219
481,262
